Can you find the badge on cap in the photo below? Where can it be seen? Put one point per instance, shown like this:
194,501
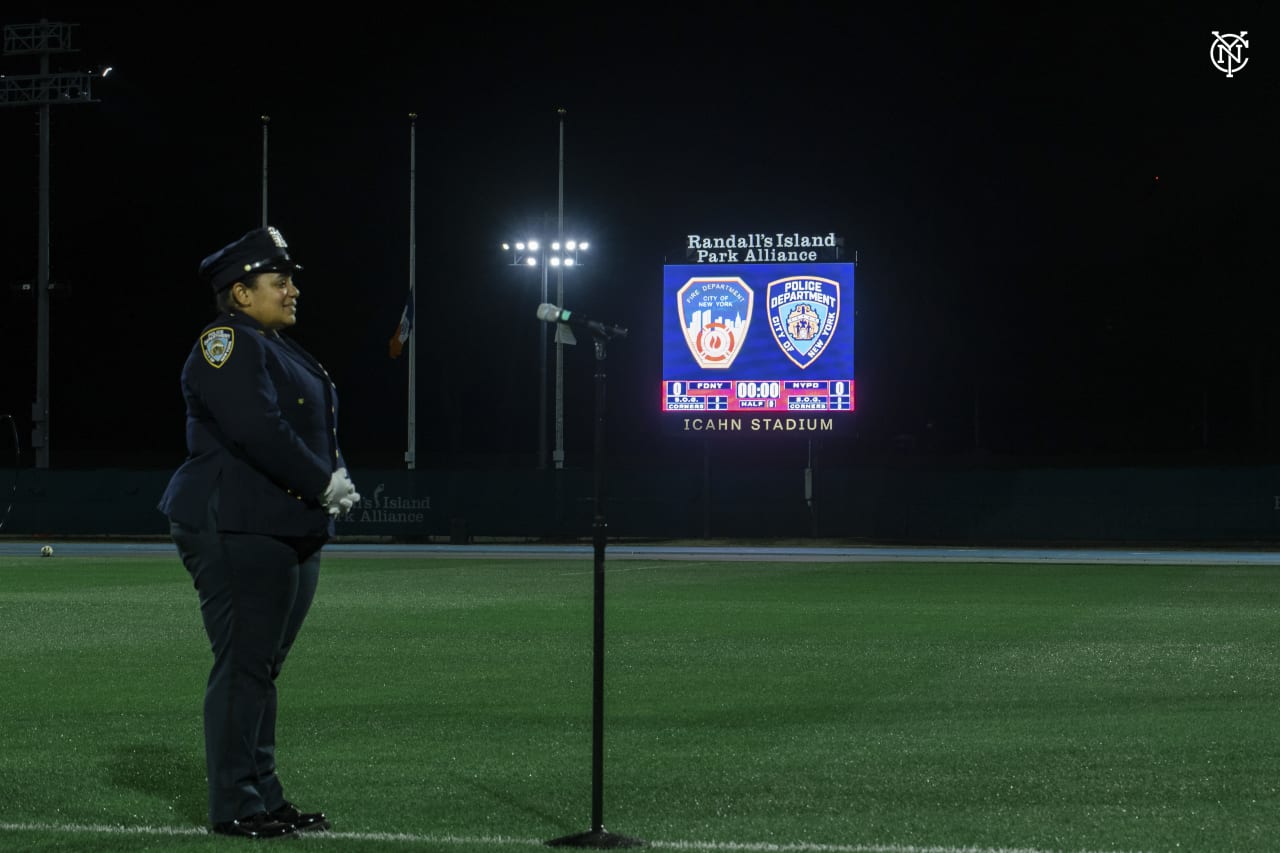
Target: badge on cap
216,344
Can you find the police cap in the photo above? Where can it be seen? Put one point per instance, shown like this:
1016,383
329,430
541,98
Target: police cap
261,250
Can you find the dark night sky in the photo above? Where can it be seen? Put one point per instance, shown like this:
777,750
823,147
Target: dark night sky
1019,259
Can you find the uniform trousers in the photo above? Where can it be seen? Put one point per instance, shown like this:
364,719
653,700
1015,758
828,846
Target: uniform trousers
254,592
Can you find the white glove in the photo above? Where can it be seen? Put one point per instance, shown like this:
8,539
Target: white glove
348,502
341,494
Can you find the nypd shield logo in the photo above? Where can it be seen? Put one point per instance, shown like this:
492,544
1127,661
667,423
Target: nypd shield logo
216,344
715,314
803,313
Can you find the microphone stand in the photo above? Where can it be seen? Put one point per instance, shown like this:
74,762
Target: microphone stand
598,836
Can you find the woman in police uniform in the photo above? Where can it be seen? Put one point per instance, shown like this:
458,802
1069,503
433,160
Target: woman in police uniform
249,511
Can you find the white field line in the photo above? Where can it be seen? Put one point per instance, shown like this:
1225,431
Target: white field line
443,840
807,847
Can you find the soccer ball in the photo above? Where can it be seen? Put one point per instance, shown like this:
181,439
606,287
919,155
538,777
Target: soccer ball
46,551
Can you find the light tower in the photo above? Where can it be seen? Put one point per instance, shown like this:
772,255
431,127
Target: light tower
42,91
557,456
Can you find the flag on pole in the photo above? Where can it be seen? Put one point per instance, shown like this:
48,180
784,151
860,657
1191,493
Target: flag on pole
401,334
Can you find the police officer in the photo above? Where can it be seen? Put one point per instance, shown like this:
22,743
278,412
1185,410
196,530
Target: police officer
250,509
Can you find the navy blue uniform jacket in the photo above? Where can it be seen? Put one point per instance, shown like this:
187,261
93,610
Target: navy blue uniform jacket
262,433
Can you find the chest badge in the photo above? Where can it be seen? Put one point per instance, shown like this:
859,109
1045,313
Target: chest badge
216,344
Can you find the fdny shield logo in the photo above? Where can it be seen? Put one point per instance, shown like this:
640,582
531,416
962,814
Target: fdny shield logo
216,344
803,313
715,314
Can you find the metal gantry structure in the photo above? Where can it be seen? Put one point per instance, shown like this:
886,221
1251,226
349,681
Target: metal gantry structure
43,91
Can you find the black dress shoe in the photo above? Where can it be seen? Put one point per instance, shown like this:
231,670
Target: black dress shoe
260,825
301,821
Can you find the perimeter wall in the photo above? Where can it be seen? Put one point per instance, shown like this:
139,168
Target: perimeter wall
892,504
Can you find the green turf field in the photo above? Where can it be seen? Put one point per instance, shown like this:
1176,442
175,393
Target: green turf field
444,703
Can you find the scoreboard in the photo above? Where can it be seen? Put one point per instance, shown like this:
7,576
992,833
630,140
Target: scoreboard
749,395
769,339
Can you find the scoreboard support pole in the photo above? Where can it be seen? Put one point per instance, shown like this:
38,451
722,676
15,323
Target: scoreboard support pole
597,835
706,489
808,493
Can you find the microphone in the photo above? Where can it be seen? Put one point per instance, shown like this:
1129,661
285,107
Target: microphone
553,314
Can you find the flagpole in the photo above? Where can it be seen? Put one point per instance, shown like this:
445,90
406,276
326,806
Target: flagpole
265,121
410,456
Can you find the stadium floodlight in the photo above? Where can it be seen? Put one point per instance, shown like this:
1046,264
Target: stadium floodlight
536,253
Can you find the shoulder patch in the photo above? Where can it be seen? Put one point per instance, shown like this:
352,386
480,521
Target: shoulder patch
217,343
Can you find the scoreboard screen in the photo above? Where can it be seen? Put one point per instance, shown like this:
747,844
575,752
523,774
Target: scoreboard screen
771,339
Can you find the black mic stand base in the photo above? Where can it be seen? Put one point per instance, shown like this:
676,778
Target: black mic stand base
599,838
